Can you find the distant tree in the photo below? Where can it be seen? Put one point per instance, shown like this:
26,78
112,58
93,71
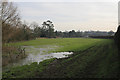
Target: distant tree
56,33
36,29
110,32
49,28
25,31
33,25
44,30
72,33
66,34
37,32
78,34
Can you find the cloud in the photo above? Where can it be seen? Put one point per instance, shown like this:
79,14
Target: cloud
76,15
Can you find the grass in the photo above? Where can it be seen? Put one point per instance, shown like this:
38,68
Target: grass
98,61
27,71
65,44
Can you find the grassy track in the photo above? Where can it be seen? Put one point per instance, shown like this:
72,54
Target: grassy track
98,61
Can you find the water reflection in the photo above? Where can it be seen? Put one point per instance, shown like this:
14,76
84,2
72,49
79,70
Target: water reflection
40,57
38,54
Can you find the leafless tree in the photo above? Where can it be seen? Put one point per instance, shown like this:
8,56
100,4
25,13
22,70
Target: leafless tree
9,14
10,20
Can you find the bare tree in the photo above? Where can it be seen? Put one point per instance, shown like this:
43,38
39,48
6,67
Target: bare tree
9,14
10,20
33,25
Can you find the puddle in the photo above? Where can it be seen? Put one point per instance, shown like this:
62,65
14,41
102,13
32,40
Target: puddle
40,57
61,54
38,54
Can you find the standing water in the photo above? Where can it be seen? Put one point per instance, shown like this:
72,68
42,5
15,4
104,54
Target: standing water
38,54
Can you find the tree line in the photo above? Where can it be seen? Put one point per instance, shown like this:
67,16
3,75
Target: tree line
13,29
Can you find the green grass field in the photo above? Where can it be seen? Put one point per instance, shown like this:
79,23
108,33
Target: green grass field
65,44
92,58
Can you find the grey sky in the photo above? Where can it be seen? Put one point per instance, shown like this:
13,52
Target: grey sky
72,15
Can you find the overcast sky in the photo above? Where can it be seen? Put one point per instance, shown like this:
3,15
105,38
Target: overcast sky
102,16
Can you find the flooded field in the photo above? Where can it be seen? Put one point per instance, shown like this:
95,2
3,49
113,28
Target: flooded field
38,54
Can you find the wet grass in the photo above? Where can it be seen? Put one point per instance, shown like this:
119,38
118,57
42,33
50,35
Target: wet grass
27,71
98,61
65,44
